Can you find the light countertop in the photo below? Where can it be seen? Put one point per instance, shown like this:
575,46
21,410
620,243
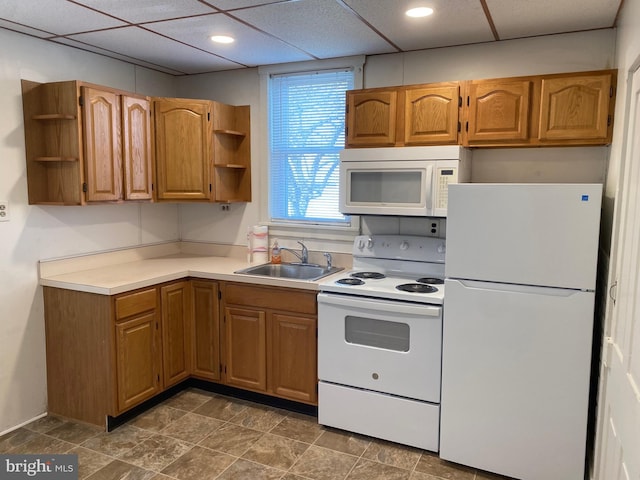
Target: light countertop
120,272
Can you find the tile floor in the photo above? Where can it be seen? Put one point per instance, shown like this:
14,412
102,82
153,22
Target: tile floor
197,435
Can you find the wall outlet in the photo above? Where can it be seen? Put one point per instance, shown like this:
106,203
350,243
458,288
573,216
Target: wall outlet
433,228
4,211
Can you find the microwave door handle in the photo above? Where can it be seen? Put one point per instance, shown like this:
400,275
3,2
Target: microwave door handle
429,187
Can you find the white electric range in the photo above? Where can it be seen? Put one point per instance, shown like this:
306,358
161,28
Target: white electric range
380,341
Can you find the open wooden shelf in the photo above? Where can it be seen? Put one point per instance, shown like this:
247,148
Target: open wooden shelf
231,132
54,116
56,159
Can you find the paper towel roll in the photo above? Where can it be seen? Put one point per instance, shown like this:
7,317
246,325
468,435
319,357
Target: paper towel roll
260,244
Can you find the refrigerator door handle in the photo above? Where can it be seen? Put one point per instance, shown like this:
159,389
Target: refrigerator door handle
510,287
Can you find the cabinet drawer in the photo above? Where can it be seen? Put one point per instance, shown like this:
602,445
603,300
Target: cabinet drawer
298,301
134,303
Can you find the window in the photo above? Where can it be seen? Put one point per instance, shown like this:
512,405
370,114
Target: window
307,132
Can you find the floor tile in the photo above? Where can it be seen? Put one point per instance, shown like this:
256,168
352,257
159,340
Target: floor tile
156,452
258,418
89,461
199,464
246,470
161,476
188,400
433,465
393,454
274,451
117,442
17,437
299,427
44,424
415,475
323,464
118,470
157,418
222,408
42,444
75,432
481,475
192,427
368,470
344,442
232,439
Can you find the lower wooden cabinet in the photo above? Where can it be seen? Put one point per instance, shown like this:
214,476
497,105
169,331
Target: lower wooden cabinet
206,330
176,332
270,340
108,354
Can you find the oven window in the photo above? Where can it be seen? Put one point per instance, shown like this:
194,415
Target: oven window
386,186
377,333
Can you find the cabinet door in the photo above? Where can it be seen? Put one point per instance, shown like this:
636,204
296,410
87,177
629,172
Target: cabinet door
371,118
137,360
183,149
206,330
246,348
136,144
431,115
294,357
498,110
103,151
574,108
176,332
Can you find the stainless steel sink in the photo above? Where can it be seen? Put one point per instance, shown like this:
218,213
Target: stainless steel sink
297,271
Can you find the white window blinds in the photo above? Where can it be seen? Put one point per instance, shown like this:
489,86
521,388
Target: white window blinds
307,132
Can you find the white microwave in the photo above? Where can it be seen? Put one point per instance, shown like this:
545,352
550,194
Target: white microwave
401,181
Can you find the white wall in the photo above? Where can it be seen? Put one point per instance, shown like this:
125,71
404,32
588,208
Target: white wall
35,232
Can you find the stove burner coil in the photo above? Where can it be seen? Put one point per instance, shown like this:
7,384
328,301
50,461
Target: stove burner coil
368,275
416,288
431,280
350,281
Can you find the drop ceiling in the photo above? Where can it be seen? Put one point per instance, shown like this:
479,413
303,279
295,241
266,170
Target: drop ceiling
172,36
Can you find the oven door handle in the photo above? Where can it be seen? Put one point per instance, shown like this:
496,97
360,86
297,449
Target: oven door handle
349,301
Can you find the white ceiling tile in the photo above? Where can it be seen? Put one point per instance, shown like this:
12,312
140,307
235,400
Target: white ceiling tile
138,43
319,27
55,16
117,56
251,47
140,11
454,22
16,27
233,4
514,19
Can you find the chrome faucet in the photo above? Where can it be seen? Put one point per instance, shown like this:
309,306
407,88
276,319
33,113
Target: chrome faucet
303,256
327,255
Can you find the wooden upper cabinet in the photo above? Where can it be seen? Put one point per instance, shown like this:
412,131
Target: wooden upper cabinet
183,136
136,144
498,110
76,134
372,117
103,150
577,107
431,114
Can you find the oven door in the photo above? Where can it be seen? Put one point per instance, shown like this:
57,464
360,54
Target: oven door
381,345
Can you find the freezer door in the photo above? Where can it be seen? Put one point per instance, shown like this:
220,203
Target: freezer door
532,234
515,379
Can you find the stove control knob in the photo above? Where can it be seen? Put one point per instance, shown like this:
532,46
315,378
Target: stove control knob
404,245
360,244
442,248
370,243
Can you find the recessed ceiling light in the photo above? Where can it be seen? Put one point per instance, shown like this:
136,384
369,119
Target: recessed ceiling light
419,12
222,39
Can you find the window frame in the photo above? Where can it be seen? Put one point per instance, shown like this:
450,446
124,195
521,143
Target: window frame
292,228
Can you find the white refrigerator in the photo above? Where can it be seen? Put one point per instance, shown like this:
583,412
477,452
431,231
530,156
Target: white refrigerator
518,324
